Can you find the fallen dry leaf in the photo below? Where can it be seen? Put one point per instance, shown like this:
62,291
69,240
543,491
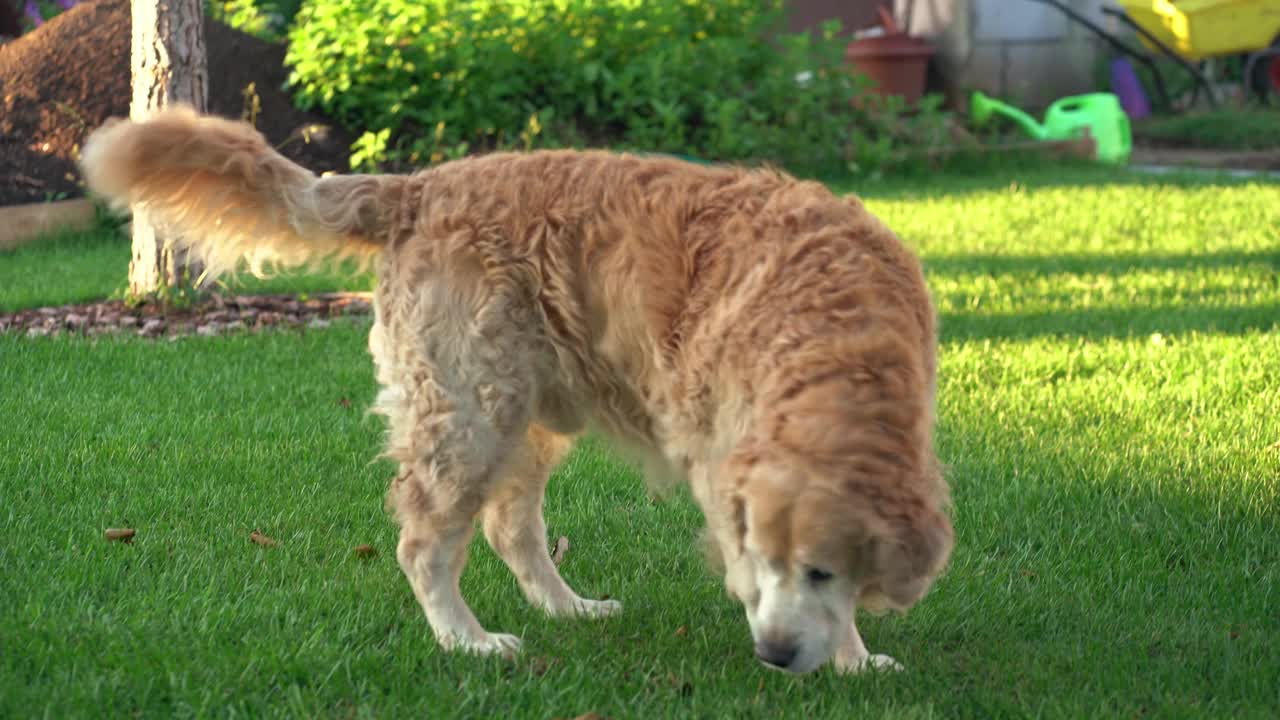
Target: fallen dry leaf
366,551
540,664
345,402
262,540
561,547
121,534
682,631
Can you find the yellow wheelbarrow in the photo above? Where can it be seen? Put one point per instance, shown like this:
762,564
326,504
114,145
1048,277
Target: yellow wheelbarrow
1197,30
1191,31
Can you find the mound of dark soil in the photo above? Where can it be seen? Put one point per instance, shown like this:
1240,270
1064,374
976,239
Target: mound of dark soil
65,78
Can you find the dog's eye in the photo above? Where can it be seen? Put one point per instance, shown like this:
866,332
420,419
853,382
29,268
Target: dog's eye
817,576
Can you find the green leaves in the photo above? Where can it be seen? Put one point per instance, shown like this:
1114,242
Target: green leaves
673,75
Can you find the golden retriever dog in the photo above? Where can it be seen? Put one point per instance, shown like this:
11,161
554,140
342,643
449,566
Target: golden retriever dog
746,333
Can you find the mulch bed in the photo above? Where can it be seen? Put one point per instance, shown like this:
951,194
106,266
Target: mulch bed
215,315
65,78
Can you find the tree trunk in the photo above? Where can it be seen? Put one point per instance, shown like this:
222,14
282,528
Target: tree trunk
169,66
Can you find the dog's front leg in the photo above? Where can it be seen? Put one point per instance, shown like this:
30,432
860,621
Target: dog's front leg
852,656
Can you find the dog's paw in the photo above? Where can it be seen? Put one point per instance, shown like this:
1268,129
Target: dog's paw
584,608
869,662
597,608
508,646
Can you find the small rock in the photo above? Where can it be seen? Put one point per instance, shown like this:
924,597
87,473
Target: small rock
152,328
127,321
268,318
47,311
218,316
235,326
75,321
357,307
209,329
248,314
39,331
318,323
292,319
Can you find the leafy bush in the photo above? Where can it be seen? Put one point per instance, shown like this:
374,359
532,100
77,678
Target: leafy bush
432,79
266,19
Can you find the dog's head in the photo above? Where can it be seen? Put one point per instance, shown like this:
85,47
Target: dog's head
819,535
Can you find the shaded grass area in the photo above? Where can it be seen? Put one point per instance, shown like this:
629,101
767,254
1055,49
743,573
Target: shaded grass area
1228,129
1108,385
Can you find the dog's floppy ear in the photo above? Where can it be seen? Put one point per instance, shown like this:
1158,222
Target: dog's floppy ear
906,565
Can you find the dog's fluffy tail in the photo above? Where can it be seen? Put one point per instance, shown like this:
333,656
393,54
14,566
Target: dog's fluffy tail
215,188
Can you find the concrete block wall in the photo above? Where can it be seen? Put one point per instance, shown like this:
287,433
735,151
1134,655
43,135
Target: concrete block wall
1019,50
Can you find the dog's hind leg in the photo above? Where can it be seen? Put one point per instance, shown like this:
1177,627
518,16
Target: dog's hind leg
432,553
514,526
452,446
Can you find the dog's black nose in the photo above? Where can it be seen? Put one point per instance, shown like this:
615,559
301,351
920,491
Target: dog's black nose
777,654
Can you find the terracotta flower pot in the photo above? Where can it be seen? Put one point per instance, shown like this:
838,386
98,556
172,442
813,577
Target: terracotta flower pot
896,62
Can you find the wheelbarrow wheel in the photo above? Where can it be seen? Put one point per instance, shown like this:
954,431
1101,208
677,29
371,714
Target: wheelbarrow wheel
1266,74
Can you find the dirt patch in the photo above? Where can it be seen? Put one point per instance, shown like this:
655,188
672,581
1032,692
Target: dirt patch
65,78
215,316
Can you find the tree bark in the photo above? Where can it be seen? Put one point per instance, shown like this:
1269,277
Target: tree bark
169,66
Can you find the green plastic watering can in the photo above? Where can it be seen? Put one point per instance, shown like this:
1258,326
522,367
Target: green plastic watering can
1098,115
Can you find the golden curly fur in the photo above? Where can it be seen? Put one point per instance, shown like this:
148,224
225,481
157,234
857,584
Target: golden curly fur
750,334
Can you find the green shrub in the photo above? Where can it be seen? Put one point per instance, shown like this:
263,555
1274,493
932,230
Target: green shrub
266,19
432,79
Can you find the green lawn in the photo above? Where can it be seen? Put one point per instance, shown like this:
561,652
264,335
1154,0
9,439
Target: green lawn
84,266
1110,380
